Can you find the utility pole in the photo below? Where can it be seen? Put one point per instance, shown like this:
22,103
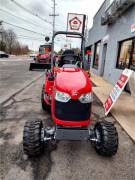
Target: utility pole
54,15
1,37
1,26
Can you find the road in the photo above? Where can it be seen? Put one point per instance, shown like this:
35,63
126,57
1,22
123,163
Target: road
14,74
65,161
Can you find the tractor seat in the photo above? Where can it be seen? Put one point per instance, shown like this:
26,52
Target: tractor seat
69,59
69,66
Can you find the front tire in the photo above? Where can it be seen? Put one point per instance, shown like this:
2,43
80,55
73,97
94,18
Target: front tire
32,142
107,135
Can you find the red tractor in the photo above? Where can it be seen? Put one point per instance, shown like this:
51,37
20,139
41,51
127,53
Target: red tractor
43,56
67,93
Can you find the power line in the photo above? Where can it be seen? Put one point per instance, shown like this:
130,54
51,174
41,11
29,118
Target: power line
47,4
60,25
25,37
30,39
18,17
19,37
23,28
29,11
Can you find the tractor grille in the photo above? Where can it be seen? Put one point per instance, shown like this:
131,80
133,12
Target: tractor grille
73,110
43,59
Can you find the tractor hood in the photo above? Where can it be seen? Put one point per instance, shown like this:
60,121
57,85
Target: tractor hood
73,81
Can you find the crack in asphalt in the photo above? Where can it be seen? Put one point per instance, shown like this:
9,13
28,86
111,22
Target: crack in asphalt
6,135
41,166
11,154
21,90
5,108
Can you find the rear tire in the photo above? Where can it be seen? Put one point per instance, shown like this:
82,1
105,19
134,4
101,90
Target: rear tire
45,106
107,135
32,142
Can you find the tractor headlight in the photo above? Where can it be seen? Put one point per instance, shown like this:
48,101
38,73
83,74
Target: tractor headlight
86,98
62,97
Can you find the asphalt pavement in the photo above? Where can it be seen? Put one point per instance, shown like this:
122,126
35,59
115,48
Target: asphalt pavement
65,160
14,75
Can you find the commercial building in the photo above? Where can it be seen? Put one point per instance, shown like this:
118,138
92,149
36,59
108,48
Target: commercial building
111,40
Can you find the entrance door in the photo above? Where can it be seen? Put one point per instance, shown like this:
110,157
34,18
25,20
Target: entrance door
103,59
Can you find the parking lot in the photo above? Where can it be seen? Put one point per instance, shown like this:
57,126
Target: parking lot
14,75
64,160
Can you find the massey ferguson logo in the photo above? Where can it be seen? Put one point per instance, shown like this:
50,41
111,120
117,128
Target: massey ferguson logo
75,23
74,93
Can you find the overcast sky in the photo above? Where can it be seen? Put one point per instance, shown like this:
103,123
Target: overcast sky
43,9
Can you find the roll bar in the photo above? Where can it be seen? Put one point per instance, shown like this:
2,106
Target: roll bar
67,33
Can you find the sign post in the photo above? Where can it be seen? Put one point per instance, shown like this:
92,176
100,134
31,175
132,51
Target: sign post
117,90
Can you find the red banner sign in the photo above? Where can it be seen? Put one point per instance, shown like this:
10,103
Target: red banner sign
117,90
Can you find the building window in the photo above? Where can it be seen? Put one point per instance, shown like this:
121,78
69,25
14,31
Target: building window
96,55
126,56
132,62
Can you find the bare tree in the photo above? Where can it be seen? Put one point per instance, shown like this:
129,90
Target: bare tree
11,40
10,44
2,41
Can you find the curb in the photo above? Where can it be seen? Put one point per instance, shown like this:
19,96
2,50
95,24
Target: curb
20,90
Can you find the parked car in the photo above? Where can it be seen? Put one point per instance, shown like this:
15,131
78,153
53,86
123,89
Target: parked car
3,55
33,55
